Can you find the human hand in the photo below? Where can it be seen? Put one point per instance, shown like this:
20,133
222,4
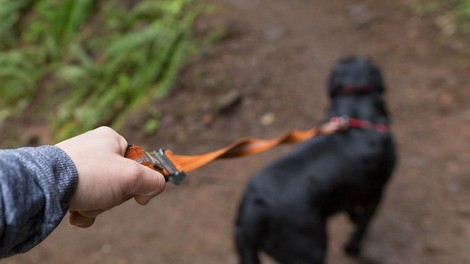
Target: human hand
105,177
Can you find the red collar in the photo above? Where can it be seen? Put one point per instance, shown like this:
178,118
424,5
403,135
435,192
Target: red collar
345,121
349,89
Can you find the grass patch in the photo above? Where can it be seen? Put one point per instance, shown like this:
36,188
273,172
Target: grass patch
452,16
97,59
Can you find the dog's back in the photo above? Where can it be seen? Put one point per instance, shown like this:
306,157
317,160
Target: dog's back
286,205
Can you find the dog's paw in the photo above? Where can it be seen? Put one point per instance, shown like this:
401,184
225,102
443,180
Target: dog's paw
352,250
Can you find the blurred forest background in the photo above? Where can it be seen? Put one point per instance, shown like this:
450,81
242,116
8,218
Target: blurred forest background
80,64
194,76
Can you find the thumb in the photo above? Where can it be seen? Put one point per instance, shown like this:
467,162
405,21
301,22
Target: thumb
149,184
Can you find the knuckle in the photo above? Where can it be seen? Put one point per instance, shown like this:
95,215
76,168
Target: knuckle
113,136
108,131
135,170
122,142
104,129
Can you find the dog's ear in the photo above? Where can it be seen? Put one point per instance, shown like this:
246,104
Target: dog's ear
355,72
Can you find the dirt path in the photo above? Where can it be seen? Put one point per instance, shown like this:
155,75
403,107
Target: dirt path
274,63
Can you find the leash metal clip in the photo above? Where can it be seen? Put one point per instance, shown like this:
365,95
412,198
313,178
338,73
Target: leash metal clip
159,160
341,122
164,163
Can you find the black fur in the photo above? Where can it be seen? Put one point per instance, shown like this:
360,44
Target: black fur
285,207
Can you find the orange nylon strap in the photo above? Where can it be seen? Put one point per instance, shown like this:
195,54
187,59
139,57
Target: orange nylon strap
251,146
173,167
241,147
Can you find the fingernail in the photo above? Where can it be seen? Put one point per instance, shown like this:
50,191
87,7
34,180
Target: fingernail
80,221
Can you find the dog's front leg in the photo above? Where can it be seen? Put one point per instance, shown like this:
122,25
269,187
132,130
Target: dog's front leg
361,220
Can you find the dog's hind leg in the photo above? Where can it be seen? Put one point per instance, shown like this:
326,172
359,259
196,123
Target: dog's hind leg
361,217
301,239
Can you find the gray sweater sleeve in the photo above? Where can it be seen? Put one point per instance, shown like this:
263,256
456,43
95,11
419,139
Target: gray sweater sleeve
36,185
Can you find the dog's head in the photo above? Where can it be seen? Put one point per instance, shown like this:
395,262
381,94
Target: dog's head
355,75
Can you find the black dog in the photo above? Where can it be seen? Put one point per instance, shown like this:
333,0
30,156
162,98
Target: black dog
285,207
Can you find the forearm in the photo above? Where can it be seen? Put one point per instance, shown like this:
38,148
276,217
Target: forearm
36,185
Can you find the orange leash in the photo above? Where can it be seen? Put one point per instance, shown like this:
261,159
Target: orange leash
173,167
242,147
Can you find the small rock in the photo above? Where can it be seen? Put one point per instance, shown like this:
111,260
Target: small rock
361,15
268,119
106,249
229,101
207,119
273,32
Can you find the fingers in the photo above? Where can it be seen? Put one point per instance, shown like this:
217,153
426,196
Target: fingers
79,220
142,199
147,184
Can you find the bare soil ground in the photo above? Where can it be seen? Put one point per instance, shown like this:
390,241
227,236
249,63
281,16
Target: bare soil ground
267,76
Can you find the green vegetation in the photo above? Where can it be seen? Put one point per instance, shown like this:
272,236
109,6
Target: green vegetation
453,16
93,61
